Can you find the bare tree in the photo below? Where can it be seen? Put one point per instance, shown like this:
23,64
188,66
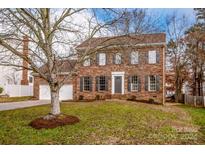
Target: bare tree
52,34
137,21
195,37
176,55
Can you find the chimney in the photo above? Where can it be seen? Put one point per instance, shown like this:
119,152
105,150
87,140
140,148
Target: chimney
24,80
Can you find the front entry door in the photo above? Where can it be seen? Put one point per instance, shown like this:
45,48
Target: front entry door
118,84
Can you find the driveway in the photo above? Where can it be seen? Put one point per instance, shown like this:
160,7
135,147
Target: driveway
19,105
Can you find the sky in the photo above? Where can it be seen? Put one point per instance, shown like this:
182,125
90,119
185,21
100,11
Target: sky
160,13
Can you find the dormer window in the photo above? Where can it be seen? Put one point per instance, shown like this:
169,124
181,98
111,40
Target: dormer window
118,58
134,57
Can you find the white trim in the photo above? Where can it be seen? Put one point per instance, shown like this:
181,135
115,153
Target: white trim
122,74
102,59
151,54
155,83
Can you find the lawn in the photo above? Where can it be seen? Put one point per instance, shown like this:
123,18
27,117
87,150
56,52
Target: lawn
14,99
108,123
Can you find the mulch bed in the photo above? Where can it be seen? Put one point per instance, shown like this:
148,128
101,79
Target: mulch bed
54,122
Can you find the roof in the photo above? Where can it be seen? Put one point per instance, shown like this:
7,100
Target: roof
125,40
64,66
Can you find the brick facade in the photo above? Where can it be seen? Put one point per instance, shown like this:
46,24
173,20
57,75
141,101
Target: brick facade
142,69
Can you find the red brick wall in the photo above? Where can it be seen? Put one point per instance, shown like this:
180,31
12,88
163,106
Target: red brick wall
142,69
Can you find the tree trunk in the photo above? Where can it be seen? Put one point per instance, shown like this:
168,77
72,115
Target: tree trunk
55,102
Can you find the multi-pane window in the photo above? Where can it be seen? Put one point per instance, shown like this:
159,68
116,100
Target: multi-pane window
86,84
152,57
86,61
152,83
102,83
134,83
118,58
134,57
102,58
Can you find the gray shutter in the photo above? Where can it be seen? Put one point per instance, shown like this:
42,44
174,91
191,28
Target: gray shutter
139,83
97,59
96,83
81,84
146,83
129,83
91,83
106,57
157,57
130,57
147,57
113,58
157,82
140,57
122,58
106,83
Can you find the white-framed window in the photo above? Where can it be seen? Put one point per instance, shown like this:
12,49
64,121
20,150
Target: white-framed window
134,83
152,83
134,57
87,84
87,61
152,57
118,58
102,58
102,83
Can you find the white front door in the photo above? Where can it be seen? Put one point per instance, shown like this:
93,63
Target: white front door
118,80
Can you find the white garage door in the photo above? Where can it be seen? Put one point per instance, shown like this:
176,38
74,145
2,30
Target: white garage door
66,92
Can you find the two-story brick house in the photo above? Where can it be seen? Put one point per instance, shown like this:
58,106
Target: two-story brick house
122,66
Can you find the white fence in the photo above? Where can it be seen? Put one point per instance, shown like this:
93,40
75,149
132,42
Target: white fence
194,100
18,90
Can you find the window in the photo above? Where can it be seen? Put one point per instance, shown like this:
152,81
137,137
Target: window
134,83
102,58
86,61
102,83
118,58
30,79
134,57
152,57
152,83
86,84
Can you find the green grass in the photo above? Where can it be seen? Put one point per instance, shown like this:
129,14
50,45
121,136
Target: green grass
14,99
197,114
101,123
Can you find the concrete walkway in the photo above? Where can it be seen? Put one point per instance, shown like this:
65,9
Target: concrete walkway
19,105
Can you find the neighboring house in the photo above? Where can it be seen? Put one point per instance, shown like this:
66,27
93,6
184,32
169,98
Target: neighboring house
130,65
17,81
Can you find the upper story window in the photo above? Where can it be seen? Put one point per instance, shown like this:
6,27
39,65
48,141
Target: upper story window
87,61
152,83
118,58
134,57
102,58
152,57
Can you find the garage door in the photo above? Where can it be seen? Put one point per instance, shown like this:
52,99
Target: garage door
66,92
